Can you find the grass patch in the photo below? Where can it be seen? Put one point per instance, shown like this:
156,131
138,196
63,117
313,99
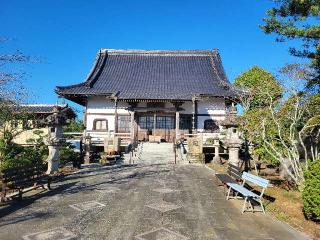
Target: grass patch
221,168
287,207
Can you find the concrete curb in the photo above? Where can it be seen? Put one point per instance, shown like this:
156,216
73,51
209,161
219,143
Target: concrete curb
210,169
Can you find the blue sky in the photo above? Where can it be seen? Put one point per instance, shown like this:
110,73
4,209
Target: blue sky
66,35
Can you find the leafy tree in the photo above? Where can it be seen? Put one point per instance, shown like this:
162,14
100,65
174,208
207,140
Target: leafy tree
38,143
311,192
68,154
75,125
256,83
9,130
279,124
298,19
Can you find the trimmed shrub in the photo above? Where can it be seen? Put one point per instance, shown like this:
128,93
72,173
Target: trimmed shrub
67,154
311,192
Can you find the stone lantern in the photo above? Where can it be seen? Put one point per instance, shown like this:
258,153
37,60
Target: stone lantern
233,141
54,123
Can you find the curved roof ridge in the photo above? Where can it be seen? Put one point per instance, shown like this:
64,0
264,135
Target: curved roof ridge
195,52
41,105
220,71
93,73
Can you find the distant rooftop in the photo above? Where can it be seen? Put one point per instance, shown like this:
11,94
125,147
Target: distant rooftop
41,108
152,74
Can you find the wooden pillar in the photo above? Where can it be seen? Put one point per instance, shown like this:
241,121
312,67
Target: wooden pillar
154,125
132,127
177,125
193,115
115,115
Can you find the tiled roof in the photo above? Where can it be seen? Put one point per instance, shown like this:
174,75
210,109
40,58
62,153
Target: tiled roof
39,108
153,74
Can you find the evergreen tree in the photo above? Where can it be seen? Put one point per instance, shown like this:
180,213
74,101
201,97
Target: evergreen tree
298,19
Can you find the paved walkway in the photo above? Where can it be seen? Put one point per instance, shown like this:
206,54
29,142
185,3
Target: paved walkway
143,202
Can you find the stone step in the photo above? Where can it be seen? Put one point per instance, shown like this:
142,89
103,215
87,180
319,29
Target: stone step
157,153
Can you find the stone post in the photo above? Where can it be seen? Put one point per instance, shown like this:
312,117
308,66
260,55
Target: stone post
216,158
87,144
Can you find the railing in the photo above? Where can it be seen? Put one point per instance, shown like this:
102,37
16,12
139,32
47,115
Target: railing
135,151
97,137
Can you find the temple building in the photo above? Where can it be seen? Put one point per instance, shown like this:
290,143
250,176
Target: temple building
153,95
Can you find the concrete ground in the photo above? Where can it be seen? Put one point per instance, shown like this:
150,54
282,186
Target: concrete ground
147,201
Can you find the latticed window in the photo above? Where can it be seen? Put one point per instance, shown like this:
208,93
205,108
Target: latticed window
210,125
165,122
124,124
146,122
185,122
100,124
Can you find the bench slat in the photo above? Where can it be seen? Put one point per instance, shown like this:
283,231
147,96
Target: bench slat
235,175
225,178
255,179
245,192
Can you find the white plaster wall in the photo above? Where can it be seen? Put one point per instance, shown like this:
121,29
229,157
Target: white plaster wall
101,108
213,106
103,105
201,120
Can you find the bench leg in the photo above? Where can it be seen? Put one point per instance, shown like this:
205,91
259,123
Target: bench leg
228,193
20,194
262,206
244,204
3,193
249,200
48,184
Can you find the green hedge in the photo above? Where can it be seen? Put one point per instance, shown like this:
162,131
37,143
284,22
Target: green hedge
311,192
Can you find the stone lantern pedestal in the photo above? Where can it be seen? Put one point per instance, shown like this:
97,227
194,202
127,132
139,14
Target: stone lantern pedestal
216,158
87,156
234,144
53,158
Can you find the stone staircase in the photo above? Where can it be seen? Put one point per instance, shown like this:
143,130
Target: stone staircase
157,153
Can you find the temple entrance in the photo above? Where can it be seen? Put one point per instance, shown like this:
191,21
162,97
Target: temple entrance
156,127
